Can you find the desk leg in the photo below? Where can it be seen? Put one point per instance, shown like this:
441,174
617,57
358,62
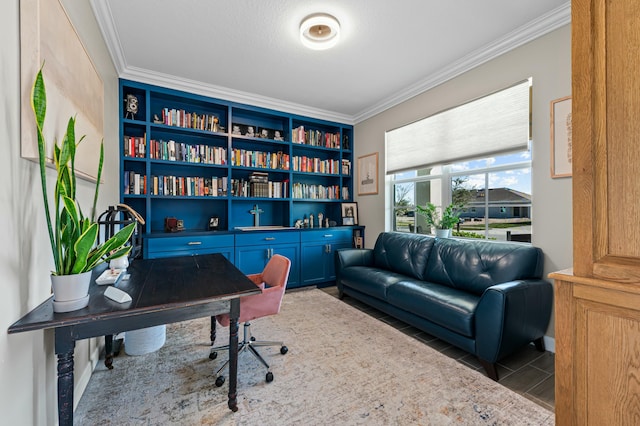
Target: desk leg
213,330
64,349
108,351
234,314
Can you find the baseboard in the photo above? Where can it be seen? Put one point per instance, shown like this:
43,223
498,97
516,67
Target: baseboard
550,344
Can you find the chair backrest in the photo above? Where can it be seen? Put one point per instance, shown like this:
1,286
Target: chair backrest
275,275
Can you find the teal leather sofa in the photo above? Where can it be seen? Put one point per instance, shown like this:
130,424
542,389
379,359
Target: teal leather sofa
487,298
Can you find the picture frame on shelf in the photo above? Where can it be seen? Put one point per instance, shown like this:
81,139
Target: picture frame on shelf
561,152
349,213
368,174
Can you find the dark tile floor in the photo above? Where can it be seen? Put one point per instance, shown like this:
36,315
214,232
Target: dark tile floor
528,372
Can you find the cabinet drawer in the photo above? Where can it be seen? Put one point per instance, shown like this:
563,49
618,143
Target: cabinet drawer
267,238
191,243
328,234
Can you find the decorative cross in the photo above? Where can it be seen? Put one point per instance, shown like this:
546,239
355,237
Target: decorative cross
256,214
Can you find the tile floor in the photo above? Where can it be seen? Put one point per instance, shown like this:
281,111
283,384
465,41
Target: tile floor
528,372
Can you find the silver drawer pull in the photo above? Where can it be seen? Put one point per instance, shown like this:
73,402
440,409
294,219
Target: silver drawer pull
328,235
194,243
269,238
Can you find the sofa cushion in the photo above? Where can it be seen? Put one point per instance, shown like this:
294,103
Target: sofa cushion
474,266
403,253
371,281
446,306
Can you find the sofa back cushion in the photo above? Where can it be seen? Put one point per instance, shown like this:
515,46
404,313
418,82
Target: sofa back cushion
475,265
403,253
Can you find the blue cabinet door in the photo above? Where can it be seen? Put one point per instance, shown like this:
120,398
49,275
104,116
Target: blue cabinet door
314,262
253,259
318,265
290,251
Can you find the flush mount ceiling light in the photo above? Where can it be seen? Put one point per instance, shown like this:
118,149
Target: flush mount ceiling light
319,31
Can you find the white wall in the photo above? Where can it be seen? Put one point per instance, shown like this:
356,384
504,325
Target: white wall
548,61
27,363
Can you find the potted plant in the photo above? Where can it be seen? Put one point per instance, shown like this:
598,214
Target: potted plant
444,222
73,236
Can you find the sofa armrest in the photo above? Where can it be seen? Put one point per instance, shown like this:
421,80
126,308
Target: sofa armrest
351,257
510,315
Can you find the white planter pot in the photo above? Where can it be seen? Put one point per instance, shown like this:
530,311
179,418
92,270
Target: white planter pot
70,292
443,233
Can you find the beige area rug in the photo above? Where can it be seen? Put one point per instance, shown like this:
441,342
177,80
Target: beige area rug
343,368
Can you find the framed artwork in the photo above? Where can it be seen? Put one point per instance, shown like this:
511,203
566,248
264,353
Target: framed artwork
368,174
74,87
349,213
561,155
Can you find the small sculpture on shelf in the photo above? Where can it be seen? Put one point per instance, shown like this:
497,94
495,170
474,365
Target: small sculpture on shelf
131,106
311,220
156,119
320,216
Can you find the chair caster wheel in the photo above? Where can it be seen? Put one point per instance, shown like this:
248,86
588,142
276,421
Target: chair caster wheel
220,381
253,339
269,377
213,355
284,350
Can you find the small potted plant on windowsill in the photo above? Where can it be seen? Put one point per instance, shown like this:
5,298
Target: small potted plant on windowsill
73,236
443,223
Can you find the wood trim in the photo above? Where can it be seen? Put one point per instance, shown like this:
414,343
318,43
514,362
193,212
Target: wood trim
564,337
581,86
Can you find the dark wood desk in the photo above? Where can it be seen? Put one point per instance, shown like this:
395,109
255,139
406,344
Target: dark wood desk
162,291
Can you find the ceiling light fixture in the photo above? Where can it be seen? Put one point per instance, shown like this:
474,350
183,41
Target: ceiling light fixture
319,31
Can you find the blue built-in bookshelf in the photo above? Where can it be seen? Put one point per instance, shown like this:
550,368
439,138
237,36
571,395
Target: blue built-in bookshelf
193,157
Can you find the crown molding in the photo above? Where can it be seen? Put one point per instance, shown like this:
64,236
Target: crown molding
544,24
537,28
231,95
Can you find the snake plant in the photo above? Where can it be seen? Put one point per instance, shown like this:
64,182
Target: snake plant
74,237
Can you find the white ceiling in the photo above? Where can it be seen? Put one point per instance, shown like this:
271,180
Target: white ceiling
249,51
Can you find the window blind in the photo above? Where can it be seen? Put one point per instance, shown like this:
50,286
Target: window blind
496,123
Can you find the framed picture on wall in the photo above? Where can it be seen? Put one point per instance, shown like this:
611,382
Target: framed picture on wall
561,137
368,174
349,213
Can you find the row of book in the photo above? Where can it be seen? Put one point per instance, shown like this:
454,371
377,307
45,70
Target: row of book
135,183
315,165
195,186
179,151
260,159
315,138
135,146
315,192
259,185
189,120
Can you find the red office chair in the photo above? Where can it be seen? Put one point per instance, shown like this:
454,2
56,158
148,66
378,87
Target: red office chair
273,282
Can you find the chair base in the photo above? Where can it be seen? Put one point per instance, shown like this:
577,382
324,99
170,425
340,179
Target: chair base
248,343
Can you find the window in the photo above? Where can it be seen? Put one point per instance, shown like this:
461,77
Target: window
493,189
